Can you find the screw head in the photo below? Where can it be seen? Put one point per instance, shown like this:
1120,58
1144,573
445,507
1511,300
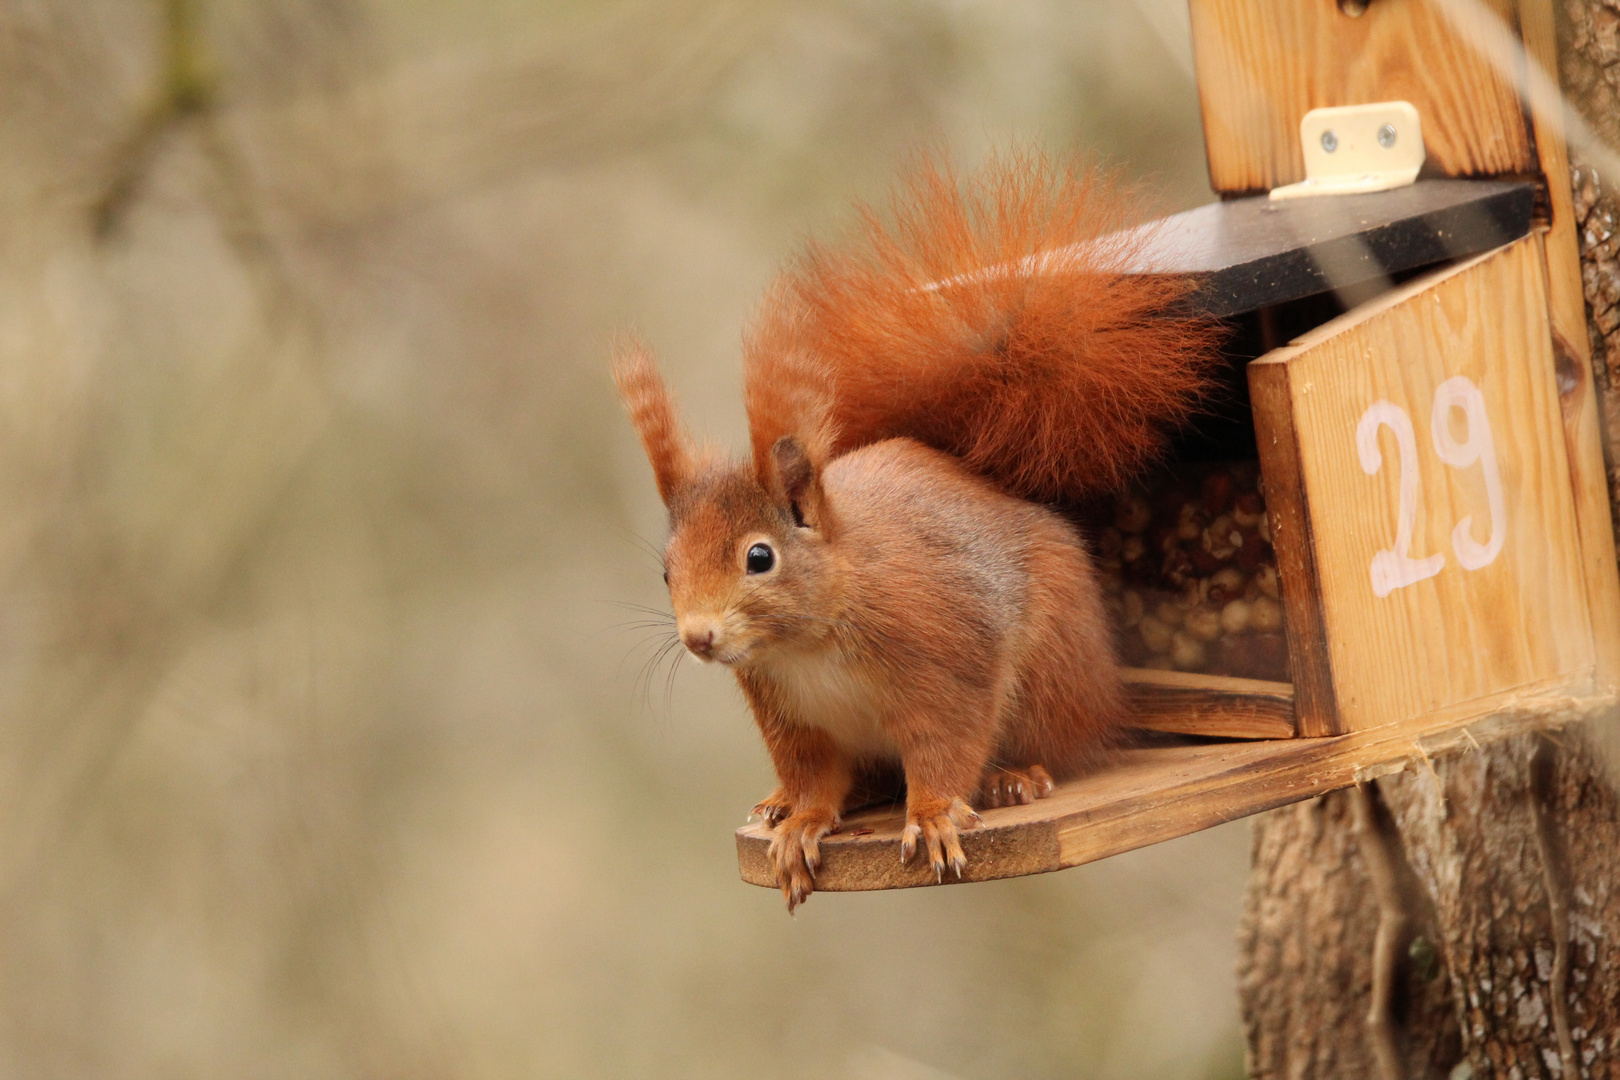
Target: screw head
1386,136
1330,141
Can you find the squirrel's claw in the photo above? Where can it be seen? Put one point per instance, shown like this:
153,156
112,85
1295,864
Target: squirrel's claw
1015,787
797,885
938,829
772,809
795,852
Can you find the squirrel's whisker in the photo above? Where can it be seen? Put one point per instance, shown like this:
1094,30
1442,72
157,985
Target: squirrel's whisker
642,544
650,668
644,609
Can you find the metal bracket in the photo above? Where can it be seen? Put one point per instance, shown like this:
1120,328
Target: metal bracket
1357,148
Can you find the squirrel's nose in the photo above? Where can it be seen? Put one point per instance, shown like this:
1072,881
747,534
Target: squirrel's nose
699,640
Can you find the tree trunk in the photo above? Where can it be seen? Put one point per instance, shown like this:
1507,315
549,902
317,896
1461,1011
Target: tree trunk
1589,69
1463,921
1308,939
1506,863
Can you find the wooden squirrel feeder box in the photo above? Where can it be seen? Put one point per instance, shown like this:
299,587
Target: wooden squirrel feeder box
1430,455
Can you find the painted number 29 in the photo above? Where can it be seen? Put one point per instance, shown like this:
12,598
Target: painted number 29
1395,568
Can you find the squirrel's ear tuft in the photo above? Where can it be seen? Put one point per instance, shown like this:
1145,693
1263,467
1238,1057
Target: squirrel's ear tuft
798,484
652,411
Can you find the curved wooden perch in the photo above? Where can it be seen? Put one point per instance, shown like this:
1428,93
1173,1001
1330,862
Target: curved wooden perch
1157,794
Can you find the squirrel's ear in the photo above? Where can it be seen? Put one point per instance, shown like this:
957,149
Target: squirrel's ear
652,411
798,483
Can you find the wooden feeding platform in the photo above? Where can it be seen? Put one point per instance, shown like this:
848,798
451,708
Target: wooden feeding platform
1409,398
1156,794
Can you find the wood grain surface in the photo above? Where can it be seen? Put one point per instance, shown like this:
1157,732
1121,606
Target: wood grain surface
1152,795
1566,305
1293,539
1262,64
1212,705
1460,634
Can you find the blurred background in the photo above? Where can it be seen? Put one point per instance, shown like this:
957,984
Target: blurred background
327,749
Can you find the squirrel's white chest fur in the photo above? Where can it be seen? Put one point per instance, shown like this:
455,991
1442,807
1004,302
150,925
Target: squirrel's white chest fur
822,690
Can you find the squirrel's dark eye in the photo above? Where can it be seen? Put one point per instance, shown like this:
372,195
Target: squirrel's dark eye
666,577
760,558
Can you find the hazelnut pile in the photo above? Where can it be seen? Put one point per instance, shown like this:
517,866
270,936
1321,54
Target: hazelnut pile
1190,575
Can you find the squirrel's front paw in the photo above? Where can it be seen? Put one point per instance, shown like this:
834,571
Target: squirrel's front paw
936,822
772,808
1014,787
795,851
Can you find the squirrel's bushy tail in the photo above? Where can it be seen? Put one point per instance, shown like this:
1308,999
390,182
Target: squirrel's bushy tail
994,318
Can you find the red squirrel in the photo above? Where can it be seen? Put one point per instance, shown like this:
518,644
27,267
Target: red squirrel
878,576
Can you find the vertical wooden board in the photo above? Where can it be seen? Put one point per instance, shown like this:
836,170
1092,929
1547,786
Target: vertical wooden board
1566,301
1589,484
1288,508
1263,64
1567,307
1451,634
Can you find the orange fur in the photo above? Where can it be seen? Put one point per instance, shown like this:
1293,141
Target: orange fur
903,391
652,411
992,318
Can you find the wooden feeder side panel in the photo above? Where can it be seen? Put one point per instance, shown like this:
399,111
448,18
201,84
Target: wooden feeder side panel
1288,507
1443,634
1566,303
1590,486
1263,64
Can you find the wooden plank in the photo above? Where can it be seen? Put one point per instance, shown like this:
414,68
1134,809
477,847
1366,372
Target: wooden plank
1245,254
1566,305
1293,538
1578,397
1459,625
1565,300
1263,64
1152,795
1219,706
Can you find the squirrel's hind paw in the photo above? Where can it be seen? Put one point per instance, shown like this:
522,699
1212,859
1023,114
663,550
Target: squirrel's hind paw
795,852
936,822
1014,787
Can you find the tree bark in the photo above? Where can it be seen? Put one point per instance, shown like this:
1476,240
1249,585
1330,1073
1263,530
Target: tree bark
1500,897
1310,924
1589,70
1508,861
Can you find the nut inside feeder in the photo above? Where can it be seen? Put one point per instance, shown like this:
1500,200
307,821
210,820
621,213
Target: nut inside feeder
1190,574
